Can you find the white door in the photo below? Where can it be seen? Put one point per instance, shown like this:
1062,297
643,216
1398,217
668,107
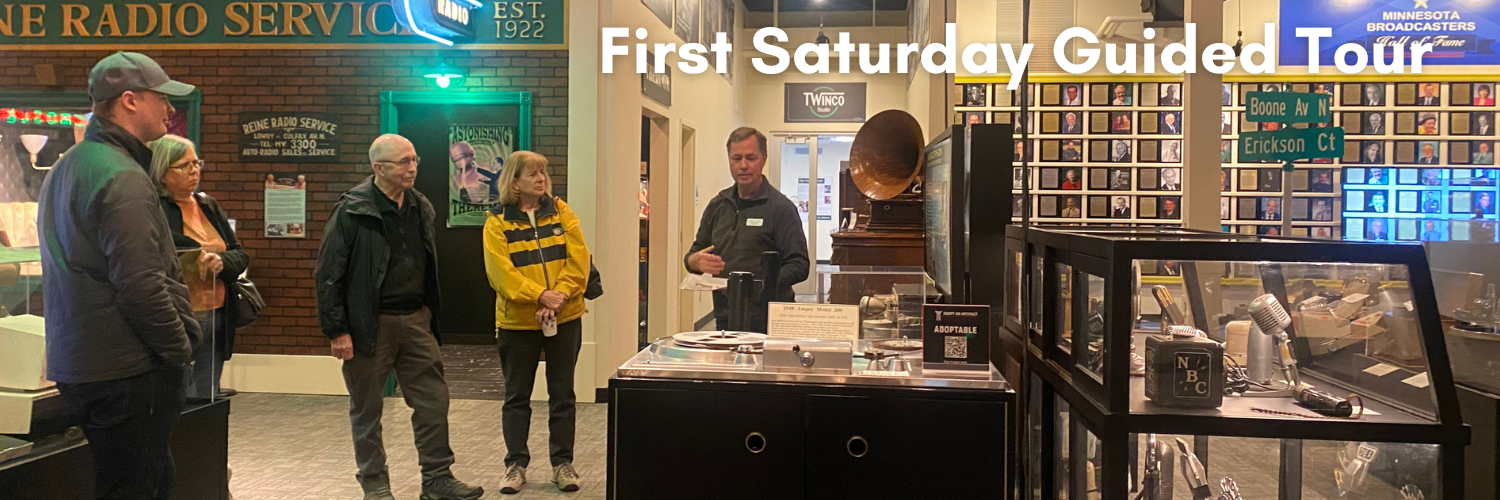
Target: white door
810,178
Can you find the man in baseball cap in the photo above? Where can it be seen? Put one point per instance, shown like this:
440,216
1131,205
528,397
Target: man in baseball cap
119,325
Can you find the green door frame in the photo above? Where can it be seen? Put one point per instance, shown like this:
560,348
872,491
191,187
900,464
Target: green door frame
389,99
192,103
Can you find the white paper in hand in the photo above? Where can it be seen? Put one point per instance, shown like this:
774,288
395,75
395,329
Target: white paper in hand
703,283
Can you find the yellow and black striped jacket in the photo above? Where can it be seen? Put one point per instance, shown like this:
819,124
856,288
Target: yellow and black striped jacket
522,261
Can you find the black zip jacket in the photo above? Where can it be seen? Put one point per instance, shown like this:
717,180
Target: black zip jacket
234,256
116,305
740,229
352,265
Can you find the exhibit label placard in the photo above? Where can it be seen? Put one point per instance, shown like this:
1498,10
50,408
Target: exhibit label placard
1288,107
1461,32
289,137
825,102
955,334
286,205
813,321
1292,144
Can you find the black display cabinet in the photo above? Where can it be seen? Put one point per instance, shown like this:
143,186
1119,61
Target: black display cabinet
1361,319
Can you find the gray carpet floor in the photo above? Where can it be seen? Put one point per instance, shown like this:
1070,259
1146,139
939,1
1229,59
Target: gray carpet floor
295,447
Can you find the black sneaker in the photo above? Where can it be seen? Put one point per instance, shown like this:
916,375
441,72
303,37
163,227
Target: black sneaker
379,493
449,488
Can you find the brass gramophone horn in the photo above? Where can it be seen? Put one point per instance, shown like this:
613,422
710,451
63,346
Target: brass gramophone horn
887,154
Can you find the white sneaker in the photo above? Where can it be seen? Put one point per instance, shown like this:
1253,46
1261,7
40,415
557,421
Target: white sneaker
515,477
565,477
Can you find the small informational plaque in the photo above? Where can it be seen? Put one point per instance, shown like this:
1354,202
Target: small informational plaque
1459,124
1406,123
286,205
1099,123
955,334
1351,94
1458,94
1353,123
813,321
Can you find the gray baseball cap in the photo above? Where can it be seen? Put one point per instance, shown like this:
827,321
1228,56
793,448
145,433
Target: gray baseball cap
123,72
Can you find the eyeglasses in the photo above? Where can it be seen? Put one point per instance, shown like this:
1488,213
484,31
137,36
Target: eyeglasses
404,162
194,165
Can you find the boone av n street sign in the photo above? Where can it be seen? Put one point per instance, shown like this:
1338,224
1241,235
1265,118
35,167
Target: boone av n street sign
1288,107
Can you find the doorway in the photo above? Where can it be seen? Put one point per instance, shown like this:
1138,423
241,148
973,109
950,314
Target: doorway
803,159
657,263
430,121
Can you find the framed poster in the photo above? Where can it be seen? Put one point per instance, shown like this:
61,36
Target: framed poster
662,9
687,25
476,155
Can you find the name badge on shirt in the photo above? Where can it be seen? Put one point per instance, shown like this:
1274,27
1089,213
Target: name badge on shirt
754,222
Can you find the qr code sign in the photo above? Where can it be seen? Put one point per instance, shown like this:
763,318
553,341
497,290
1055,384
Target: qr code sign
955,347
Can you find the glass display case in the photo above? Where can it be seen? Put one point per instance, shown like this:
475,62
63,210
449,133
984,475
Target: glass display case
1310,369
30,407
890,299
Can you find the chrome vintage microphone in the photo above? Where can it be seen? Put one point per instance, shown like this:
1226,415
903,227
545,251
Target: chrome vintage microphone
1272,320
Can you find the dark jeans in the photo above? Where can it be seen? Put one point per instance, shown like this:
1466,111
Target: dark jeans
406,346
129,423
204,376
520,350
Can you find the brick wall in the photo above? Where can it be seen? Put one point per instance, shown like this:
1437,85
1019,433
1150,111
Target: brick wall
346,83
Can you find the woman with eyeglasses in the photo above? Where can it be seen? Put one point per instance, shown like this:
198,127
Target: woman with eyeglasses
199,224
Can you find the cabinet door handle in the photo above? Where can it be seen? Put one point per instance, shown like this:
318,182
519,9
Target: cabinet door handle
857,446
755,442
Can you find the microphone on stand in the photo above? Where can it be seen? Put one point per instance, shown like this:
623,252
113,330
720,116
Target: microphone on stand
1273,321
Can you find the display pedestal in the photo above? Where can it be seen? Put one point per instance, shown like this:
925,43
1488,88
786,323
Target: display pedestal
691,439
61,466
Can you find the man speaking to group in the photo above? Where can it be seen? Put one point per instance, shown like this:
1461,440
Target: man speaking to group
745,220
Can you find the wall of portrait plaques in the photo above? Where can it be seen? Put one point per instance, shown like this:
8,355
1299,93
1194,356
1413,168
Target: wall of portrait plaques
1418,164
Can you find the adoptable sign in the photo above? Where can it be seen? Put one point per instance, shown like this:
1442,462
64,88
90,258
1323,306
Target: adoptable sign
289,137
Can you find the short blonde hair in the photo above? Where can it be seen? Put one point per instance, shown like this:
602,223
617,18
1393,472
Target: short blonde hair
164,152
515,165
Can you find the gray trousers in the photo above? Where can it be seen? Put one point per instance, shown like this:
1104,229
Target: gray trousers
520,351
406,346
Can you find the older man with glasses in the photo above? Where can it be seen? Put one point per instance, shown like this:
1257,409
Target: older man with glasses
378,304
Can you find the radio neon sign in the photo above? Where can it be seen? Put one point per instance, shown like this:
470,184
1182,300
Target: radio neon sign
13,116
442,21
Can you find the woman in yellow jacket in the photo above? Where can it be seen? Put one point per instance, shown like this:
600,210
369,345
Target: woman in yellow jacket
538,265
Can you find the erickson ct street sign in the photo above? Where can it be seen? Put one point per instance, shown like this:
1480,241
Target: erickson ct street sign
1289,145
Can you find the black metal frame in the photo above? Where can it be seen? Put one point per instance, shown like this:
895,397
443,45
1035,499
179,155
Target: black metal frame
979,157
1104,409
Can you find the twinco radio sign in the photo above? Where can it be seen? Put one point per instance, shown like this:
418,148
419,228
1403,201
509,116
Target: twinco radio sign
825,102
